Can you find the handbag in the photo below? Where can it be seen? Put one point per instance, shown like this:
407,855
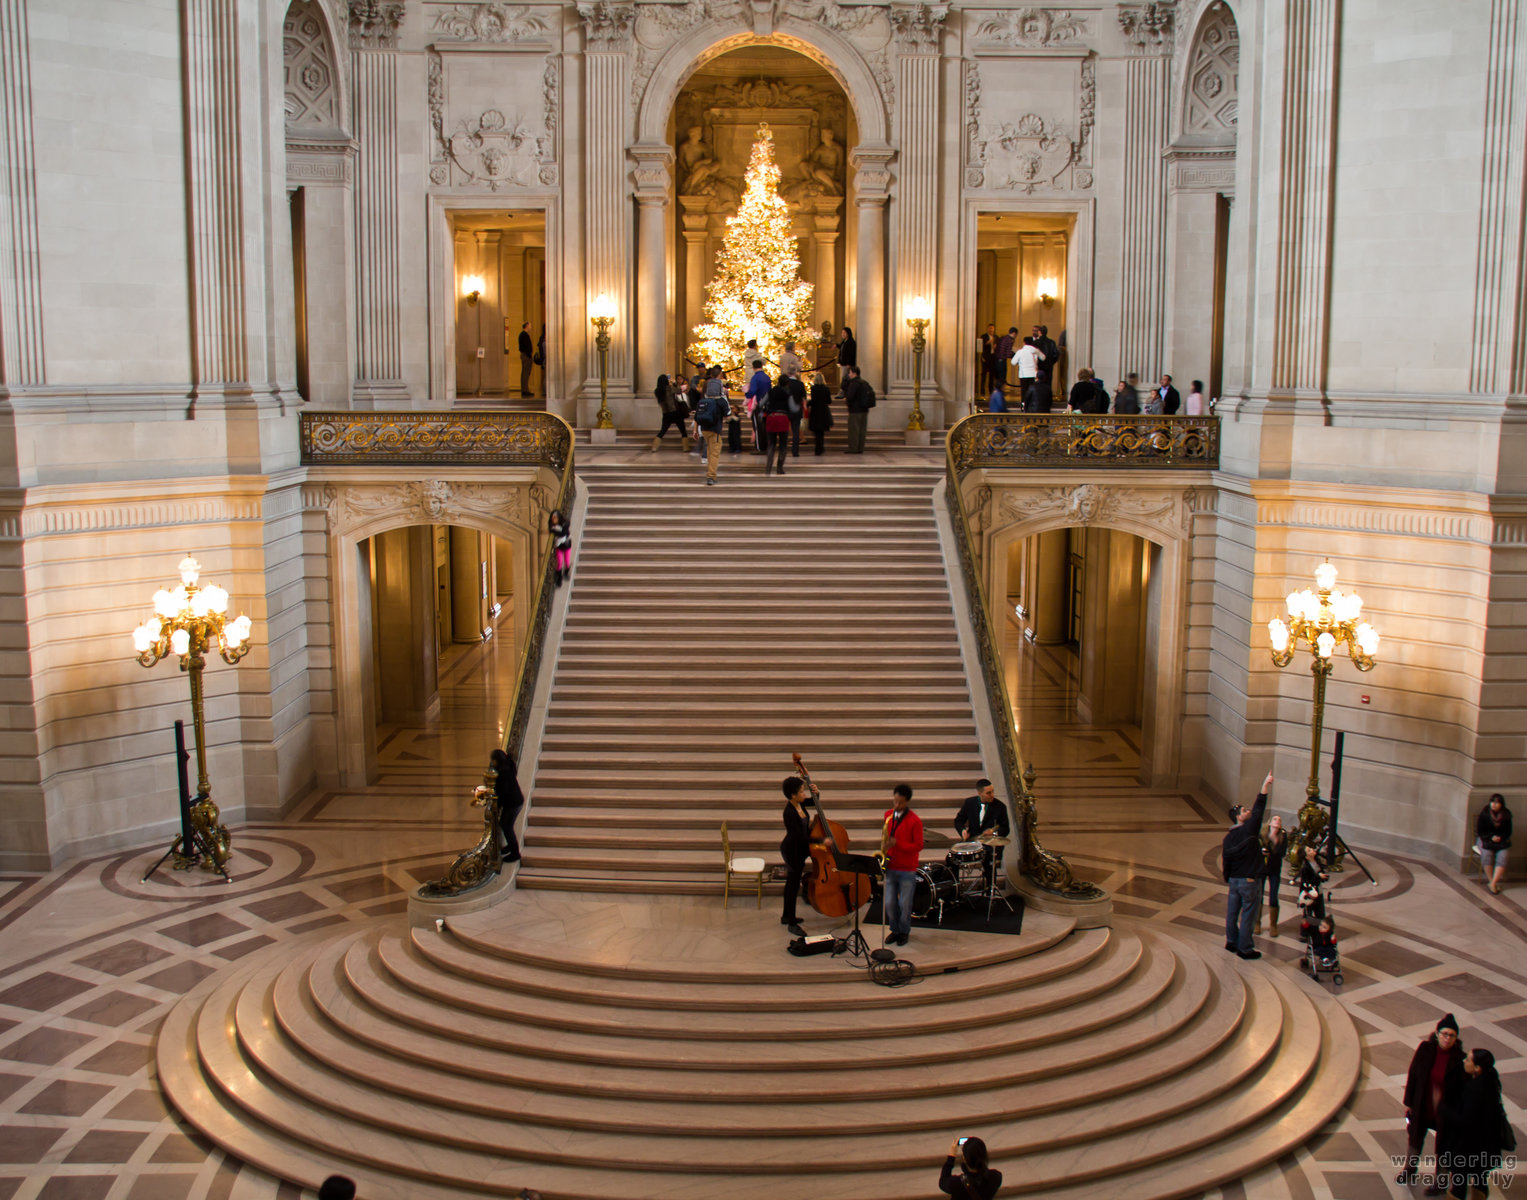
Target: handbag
776,422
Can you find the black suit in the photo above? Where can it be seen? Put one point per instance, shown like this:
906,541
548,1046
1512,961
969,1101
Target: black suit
971,822
1170,400
795,849
527,361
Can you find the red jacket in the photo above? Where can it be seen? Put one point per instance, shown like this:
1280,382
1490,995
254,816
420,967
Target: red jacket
906,841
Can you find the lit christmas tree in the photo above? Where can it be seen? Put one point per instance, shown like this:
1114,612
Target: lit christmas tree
757,291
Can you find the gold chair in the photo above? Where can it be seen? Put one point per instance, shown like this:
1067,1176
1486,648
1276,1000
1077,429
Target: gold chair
741,868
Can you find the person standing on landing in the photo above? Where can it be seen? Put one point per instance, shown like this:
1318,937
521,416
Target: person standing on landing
902,838
1244,867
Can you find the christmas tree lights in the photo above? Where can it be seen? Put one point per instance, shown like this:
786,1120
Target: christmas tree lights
757,292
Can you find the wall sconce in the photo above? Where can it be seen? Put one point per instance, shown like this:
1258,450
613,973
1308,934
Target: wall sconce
602,316
1047,289
472,288
919,315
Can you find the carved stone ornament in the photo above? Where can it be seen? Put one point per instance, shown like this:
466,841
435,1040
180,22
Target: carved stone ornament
975,176
1026,155
491,149
374,24
1170,512
490,23
430,502
1149,28
919,27
1214,77
607,24
1033,27
312,81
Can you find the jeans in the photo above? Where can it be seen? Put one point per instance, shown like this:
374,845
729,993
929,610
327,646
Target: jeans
899,887
776,447
1241,913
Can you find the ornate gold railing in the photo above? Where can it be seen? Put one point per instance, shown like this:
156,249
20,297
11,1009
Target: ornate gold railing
1079,440
467,438
1039,866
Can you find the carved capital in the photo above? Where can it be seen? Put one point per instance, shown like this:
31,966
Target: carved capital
374,24
650,173
918,27
607,24
1149,28
872,174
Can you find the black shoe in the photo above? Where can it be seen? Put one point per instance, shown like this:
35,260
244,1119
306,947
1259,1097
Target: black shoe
789,921
1232,947
796,929
1249,953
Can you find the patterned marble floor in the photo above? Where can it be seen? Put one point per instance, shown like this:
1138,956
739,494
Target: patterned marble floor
93,957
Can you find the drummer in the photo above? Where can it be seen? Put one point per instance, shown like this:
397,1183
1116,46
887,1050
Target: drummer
982,818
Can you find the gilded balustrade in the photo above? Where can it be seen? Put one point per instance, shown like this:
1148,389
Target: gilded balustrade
464,439
1079,440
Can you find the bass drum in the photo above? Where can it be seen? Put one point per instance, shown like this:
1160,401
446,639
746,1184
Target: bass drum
936,886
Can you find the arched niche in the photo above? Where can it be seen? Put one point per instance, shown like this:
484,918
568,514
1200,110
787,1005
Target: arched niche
833,53
1207,69
1159,513
314,95
511,509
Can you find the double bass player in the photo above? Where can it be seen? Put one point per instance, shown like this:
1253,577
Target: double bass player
796,847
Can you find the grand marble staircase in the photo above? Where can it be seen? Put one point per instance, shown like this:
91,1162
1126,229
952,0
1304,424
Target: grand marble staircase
612,1031
600,1047
713,631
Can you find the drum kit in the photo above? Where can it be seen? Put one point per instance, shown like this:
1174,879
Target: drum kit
960,879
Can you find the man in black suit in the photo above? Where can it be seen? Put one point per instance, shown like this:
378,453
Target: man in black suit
527,358
1170,400
980,814
1045,383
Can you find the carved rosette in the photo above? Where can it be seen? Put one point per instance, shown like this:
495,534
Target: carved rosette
374,24
1149,28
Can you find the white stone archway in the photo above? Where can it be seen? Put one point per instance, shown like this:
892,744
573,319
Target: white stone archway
512,507
1159,511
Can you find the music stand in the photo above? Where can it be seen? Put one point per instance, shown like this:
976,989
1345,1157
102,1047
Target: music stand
858,864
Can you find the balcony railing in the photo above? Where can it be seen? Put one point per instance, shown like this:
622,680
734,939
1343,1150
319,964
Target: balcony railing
1078,440
457,437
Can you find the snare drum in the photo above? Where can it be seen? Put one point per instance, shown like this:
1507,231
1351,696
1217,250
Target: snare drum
967,860
935,887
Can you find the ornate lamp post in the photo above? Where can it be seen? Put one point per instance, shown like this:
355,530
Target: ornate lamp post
188,622
602,316
1322,619
919,316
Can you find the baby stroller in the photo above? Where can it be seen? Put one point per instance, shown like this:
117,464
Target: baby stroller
1317,932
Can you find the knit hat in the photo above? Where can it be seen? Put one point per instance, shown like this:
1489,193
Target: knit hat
1447,1022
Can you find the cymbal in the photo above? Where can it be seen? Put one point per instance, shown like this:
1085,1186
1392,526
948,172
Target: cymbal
987,839
941,841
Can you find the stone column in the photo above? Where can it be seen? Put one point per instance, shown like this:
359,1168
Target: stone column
872,181
918,31
608,28
21,344
825,239
651,315
696,230
374,108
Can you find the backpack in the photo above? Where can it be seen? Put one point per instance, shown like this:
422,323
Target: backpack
868,395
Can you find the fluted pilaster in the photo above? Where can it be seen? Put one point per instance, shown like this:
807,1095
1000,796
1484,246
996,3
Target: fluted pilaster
1301,320
1499,346
917,224
653,220
378,329
214,160
1143,308
605,200
21,342
872,179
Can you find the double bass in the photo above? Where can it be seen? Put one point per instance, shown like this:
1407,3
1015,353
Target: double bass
832,892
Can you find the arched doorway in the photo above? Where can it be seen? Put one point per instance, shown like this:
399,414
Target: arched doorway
714,121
